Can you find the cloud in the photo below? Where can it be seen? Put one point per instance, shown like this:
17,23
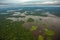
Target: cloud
37,2
43,2
3,4
51,2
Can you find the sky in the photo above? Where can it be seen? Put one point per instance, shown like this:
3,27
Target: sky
30,2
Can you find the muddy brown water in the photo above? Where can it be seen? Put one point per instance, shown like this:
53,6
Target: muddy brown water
53,24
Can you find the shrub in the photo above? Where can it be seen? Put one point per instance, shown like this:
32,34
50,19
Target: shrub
30,20
33,28
49,32
40,37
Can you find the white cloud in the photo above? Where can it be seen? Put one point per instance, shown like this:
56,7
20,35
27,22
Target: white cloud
14,1
43,2
50,2
27,2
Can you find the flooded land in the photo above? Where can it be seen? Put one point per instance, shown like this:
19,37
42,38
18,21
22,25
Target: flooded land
30,23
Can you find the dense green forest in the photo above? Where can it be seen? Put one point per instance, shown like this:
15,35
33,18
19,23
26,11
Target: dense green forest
14,30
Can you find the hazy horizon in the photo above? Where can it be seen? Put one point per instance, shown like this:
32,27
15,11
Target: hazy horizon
30,3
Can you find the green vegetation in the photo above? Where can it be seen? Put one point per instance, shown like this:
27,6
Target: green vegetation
22,22
49,32
49,38
40,37
10,30
30,20
33,28
47,35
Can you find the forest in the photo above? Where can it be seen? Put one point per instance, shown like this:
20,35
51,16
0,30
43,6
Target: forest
14,30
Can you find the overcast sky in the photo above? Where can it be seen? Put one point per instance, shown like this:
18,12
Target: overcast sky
25,2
